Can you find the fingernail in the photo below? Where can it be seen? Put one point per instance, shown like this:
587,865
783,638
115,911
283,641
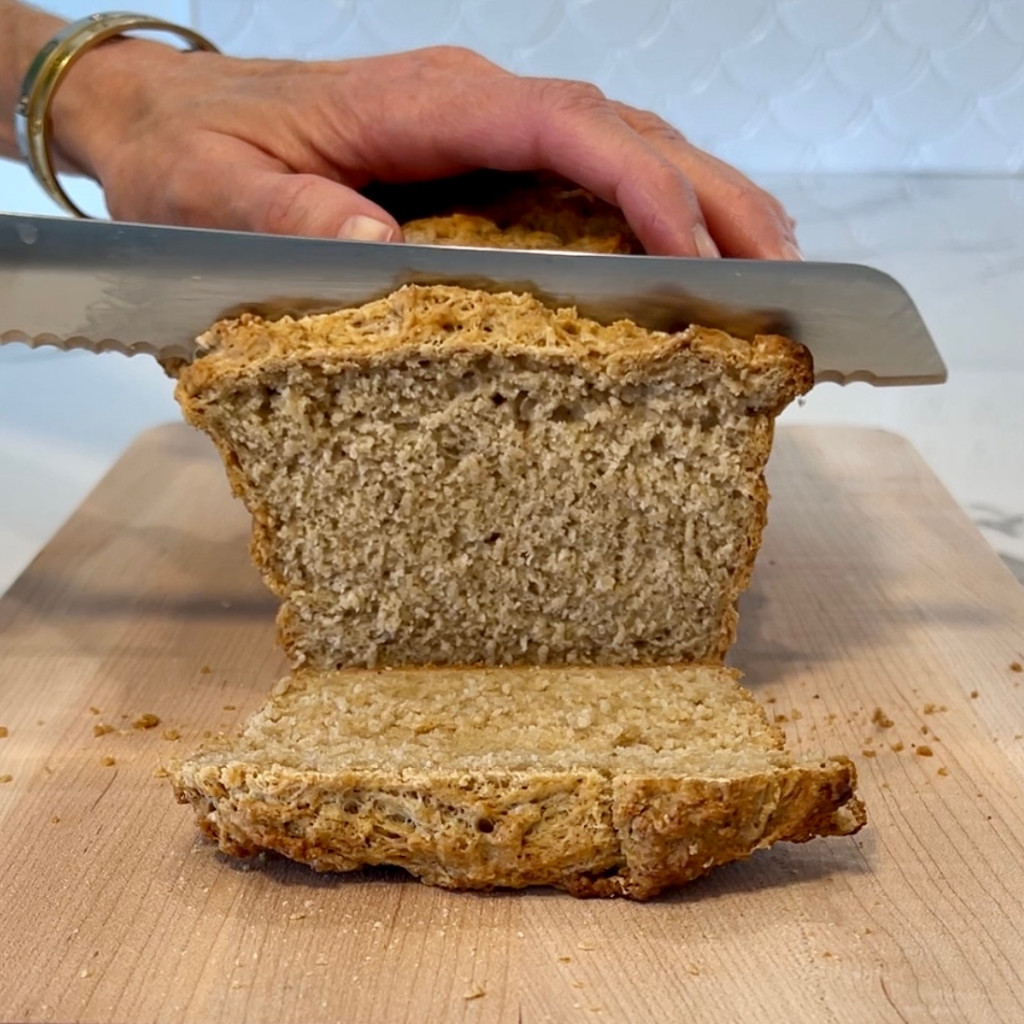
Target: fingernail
705,243
791,251
365,229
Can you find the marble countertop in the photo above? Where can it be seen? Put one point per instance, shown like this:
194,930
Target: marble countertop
955,243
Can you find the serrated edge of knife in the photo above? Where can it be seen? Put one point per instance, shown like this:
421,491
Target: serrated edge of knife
174,351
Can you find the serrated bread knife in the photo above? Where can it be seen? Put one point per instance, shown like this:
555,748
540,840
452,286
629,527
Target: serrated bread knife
135,288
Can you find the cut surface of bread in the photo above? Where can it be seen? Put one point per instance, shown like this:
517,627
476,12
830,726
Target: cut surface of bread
450,476
603,781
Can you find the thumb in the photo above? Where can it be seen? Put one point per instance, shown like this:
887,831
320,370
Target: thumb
306,204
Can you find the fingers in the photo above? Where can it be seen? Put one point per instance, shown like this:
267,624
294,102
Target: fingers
510,123
282,203
586,141
464,114
237,187
283,146
745,220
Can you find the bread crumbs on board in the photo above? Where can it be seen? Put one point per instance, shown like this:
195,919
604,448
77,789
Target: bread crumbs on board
108,761
1016,666
6,778
171,734
924,750
146,721
881,719
101,729
3,732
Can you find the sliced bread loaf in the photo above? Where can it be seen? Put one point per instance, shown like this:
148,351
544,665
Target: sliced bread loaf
600,781
449,476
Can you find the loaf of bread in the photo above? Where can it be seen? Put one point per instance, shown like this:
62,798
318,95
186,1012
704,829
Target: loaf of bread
509,211
450,476
601,781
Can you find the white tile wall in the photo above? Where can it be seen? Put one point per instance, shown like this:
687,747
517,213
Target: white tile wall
771,85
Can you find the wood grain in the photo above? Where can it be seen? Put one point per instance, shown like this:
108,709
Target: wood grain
873,591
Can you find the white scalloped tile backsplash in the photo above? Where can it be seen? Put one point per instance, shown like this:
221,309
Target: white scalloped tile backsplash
771,85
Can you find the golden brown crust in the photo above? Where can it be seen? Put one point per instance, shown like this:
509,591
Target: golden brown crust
584,832
600,781
589,835
501,210
446,321
475,230
675,830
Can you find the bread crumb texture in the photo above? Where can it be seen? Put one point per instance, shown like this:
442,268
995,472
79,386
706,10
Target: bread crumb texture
601,781
450,476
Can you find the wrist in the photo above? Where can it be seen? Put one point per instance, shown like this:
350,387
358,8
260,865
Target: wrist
100,98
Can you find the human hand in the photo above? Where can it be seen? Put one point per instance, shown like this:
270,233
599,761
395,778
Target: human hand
284,146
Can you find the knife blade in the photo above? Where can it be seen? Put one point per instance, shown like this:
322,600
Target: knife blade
138,288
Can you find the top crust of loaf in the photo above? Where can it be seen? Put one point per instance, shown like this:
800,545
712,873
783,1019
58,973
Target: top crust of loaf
438,321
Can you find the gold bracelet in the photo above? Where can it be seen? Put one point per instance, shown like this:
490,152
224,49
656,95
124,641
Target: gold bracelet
51,64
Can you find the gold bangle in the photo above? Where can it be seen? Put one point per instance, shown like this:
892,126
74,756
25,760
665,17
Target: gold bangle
51,64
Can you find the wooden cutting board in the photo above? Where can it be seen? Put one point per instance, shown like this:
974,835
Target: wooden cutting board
879,624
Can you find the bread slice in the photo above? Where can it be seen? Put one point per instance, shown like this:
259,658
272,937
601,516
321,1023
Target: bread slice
449,476
600,781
